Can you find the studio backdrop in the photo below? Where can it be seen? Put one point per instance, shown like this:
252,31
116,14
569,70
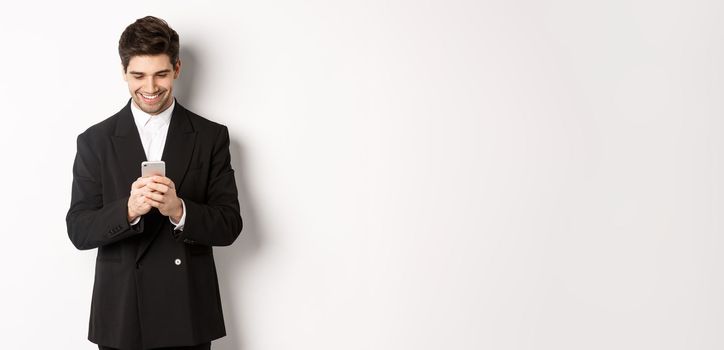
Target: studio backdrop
412,174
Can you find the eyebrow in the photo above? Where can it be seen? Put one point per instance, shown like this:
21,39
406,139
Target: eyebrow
142,73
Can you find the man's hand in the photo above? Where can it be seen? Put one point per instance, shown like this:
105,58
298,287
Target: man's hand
137,205
161,194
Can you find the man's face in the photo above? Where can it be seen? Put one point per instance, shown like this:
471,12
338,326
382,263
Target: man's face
150,81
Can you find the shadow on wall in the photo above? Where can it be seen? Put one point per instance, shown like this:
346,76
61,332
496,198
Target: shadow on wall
183,87
230,261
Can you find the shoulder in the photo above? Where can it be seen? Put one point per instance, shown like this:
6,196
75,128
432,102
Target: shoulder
207,130
102,130
203,125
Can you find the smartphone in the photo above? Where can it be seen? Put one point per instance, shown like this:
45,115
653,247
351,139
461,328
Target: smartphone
151,168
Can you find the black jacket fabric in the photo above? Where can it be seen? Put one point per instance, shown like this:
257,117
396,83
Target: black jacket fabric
154,286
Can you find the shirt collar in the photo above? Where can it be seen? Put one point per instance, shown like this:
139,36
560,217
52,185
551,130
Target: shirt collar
141,118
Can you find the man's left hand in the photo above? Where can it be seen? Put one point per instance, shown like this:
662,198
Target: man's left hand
161,194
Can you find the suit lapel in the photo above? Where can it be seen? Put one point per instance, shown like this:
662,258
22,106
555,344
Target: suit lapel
177,151
127,146
179,146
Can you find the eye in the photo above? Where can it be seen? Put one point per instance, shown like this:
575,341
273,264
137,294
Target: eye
163,75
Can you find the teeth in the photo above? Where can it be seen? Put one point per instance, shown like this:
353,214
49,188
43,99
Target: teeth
151,97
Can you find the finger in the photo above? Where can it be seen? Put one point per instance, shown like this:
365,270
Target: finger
138,193
147,180
147,190
158,187
156,197
140,201
163,180
151,202
137,184
140,183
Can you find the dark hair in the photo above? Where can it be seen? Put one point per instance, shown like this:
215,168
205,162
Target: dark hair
148,36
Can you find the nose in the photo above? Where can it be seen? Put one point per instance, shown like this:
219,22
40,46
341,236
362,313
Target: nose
150,84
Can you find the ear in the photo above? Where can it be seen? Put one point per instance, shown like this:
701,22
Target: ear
177,69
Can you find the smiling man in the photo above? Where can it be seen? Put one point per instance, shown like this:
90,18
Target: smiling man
155,279
154,73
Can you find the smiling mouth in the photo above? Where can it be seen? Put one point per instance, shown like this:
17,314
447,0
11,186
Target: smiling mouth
150,98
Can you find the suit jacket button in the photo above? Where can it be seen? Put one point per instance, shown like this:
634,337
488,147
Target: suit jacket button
177,261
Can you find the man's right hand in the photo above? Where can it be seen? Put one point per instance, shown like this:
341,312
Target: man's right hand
136,204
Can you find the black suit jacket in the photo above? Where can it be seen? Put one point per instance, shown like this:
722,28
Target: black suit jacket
154,286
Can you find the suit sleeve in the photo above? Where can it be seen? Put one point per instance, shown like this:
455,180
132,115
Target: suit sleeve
218,221
90,222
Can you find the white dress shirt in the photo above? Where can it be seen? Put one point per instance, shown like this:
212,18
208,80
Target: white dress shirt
153,130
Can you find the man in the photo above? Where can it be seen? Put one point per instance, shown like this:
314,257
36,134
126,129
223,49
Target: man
155,279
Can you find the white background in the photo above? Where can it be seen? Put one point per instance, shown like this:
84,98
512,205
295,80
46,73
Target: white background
412,174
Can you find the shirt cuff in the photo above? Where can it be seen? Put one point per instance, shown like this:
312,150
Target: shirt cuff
182,221
135,221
